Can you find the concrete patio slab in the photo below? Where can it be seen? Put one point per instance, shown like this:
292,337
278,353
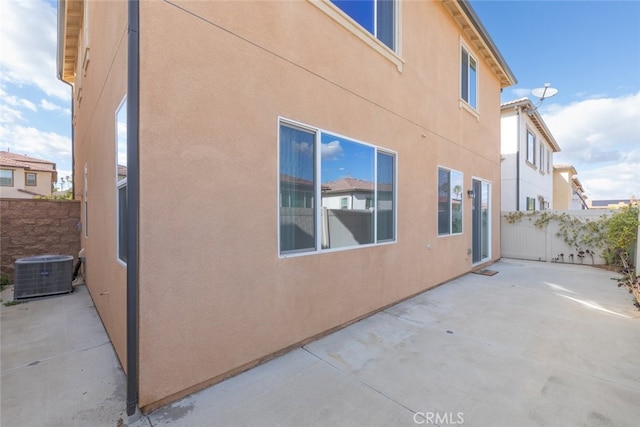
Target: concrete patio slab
537,344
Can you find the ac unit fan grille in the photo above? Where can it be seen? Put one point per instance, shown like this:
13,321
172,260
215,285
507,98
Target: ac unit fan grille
42,275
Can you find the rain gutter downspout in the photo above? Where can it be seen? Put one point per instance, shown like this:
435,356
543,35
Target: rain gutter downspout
60,67
518,163
133,181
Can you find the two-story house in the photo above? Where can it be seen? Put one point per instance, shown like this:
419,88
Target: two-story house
527,148
25,177
568,192
210,254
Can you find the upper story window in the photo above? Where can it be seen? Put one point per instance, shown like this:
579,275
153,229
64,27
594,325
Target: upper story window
376,16
6,178
449,201
30,179
531,147
468,78
541,158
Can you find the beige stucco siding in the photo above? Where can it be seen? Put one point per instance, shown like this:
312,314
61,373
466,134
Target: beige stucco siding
214,295
102,85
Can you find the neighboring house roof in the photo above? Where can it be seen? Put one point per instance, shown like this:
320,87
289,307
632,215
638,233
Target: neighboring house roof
469,22
13,160
347,184
526,105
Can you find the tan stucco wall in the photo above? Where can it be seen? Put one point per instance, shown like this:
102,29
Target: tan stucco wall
561,190
214,296
102,85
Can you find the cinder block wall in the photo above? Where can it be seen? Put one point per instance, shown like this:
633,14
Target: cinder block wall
31,227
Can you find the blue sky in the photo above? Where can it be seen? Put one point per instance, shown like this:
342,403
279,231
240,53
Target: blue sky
588,50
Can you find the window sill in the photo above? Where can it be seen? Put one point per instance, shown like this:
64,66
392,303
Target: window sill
343,19
465,106
531,165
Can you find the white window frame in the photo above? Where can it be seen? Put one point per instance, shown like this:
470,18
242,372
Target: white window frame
26,179
466,102
532,160
120,184
335,13
318,192
85,194
450,233
13,180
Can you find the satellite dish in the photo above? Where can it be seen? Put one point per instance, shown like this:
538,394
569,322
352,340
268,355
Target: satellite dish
544,92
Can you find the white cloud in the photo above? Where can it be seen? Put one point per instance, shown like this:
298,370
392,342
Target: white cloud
9,115
51,106
331,150
36,143
521,92
28,36
601,139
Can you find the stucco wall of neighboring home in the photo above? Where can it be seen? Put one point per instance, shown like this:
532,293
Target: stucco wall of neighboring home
42,187
102,85
214,295
509,159
562,190
533,182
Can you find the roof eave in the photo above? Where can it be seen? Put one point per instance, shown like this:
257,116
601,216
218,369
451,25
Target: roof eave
471,25
69,22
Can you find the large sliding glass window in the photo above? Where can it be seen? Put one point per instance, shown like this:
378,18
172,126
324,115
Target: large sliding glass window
376,16
449,201
354,182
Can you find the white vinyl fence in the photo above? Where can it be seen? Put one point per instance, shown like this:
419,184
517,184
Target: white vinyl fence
522,239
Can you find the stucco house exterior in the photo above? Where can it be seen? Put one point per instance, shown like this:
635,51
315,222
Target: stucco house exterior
210,254
25,177
568,192
527,148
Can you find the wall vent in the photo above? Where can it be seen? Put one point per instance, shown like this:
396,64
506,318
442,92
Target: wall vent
42,275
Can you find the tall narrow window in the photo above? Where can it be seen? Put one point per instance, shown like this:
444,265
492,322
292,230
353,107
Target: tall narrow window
468,79
121,181
385,201
352,181
531,148
297,184
86,201
378,17
449,201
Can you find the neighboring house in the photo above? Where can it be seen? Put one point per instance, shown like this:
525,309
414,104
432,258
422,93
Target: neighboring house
568,193
527,148
611,203
211,254
24,177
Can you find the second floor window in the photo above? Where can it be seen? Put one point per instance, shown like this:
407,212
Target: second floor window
30,179
6,178
468,79
376,16
531,148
